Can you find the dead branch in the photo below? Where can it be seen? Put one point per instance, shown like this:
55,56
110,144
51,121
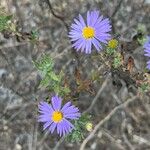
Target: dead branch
107,118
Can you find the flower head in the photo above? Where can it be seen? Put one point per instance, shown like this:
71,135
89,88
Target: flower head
147,51
55,116
89,126
113,43
92,32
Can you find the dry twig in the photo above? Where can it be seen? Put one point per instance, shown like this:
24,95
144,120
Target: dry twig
97,96
107,118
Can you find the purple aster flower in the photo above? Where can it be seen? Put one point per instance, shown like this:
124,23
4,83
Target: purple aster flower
55,116
92,32
147,51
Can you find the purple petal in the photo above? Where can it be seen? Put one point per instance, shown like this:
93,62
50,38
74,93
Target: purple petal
91,18
75,37
76,27
98,21
95,16
104,22
75,33
148,66
147,54
71,109
47,124
88,18
88,46
147,51
45,107
96,44
60,128
44,118
83,46
68,104
52,127
68,125
72,116
103,38
78,43
56,102
82,20
64,127
103,29
79,24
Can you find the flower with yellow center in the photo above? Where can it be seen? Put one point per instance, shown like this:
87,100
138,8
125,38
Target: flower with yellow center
92,32
88,32
113,43
57,116
89,126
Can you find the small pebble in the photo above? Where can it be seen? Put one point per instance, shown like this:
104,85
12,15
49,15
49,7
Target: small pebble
18,147
5,128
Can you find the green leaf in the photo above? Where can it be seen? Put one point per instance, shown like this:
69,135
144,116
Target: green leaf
66,90
34,34
50,79
79,131
9,17
4,22
45,64
53,76
117,60
145,87
110,51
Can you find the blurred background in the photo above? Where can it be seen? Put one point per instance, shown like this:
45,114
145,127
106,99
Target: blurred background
127,129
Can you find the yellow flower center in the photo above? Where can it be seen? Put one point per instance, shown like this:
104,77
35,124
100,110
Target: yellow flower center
88,32
57,116
89,126
113,43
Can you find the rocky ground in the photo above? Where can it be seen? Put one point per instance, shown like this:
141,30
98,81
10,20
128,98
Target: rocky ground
127,124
